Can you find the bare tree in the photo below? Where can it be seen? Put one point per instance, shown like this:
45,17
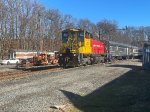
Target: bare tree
147,33
87,25
137,35
106,29
68,22
25,24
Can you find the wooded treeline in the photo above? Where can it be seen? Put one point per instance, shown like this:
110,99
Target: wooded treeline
26,24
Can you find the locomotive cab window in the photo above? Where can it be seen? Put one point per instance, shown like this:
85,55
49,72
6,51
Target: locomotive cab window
65,36
91,36
81,36
72,34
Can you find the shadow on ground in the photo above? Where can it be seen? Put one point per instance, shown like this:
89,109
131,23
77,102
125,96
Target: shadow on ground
128,93
133,67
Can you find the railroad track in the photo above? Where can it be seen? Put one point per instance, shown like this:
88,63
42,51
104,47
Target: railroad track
18,74
21,73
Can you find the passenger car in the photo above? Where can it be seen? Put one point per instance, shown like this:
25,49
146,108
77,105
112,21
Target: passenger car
9,61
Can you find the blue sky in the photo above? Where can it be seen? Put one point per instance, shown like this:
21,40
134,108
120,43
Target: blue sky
125,12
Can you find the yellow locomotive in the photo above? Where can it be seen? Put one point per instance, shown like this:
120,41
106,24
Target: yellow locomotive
78,47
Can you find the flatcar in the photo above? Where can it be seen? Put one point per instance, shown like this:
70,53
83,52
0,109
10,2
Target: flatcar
79,48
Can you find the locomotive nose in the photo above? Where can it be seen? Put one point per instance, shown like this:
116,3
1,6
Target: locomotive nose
67,50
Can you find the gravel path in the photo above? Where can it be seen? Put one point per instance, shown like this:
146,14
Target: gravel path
37,93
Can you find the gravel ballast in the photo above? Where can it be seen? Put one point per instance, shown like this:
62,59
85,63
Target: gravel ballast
38,92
